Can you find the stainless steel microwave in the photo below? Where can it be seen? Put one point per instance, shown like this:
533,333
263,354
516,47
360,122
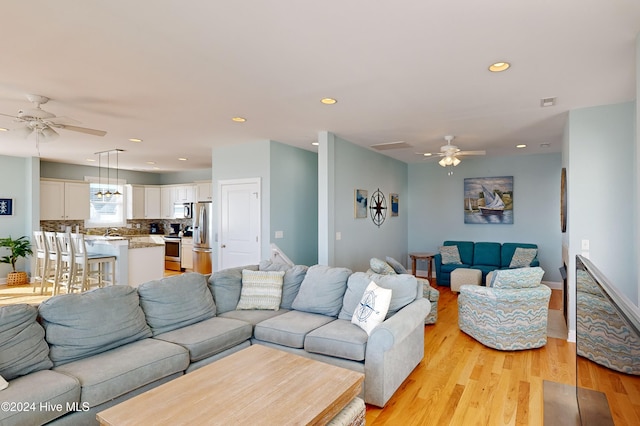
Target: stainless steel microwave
183,210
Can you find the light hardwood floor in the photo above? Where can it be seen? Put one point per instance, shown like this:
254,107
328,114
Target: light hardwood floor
462,382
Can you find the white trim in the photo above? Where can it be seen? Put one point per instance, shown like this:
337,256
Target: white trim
554,285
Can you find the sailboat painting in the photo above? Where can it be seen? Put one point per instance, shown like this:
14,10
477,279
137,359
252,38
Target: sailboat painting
488,200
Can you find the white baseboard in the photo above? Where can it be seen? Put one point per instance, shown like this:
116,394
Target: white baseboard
553,285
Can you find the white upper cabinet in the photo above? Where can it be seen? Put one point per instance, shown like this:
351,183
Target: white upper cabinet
135,202
64,200
152,203
203,191
185,194
167,198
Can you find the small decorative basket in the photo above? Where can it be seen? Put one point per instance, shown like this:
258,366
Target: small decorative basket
17,278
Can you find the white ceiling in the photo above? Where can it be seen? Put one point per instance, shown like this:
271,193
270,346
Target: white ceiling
174,73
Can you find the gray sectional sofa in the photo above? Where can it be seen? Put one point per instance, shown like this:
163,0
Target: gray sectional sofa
79,354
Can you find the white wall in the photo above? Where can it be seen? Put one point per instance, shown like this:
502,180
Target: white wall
436,205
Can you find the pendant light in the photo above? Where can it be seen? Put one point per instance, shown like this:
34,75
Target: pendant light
99,193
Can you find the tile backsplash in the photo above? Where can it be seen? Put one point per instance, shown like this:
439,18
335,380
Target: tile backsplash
134,227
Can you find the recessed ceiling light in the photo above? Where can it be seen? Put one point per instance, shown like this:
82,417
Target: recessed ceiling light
135,140
156,168
151,162
328,101
521,146
315,143
499,66
183,159
239,119
2,129
427,154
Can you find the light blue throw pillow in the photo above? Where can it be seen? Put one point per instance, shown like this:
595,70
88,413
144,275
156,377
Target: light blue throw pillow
379,266
517,278
397,266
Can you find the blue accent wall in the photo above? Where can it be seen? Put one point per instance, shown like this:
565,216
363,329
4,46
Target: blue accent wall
436,205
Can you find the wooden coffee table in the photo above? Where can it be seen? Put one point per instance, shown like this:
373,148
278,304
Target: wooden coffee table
257,385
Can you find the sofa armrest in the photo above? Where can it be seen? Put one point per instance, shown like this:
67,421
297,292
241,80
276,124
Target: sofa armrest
396,328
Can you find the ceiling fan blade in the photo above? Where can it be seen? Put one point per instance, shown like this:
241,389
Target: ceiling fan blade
62,120
471,153
22,131
9,115
82,130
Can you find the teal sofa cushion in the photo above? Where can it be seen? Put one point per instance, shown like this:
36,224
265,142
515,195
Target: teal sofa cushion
176,301
85,324
22,346
486,254
293,276
226,286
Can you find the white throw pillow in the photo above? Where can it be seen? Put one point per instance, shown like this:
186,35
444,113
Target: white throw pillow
261,290
372,308
3,383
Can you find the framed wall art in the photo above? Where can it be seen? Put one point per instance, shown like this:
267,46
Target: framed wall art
360,203
6,206
394,204
488,200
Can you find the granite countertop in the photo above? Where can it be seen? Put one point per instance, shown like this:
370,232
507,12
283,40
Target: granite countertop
138,245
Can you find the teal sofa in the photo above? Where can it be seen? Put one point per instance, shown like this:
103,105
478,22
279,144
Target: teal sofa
484,256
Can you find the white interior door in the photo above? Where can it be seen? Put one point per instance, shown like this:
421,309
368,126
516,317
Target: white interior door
239,226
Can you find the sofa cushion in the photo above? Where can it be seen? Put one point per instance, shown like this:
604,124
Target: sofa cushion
45,388
226,286
23,349
293,276
290,329
508,249
404,288
209,337
110,374
522,257
253,317
322,290
373,307
450,255
379,266
397,266
176,302
517,278
80,325
487,254
261,290
340,339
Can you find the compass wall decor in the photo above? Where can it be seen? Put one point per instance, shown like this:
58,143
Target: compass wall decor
378,207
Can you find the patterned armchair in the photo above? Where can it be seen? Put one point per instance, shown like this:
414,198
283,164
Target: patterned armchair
510,314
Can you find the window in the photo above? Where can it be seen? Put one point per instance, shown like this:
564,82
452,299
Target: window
106,211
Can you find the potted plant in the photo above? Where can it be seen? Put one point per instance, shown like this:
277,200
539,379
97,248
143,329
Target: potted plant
20,247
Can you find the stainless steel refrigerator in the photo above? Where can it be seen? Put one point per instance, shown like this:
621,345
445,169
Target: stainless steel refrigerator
202,237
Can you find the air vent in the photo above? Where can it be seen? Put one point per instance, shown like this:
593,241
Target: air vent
390,145
547,102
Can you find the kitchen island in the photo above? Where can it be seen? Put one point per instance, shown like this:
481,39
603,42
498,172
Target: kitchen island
138,259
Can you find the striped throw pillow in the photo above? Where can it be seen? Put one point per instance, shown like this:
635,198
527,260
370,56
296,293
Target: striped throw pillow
261,290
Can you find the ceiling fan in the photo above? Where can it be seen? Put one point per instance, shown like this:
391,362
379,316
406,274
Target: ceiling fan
450,153
44,123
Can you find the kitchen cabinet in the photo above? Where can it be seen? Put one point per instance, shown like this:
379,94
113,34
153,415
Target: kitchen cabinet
185,194
203,191
186,259
167,197
135,202
64,200
152,205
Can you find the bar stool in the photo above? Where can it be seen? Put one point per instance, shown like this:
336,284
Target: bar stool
42,261
67,264
92,269
51,275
